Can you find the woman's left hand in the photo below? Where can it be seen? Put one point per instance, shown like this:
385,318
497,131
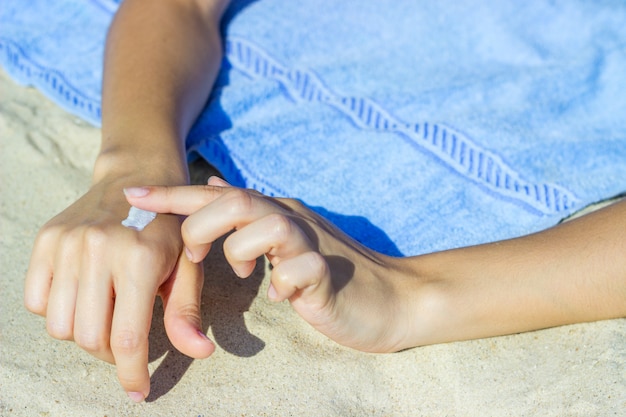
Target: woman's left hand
355,296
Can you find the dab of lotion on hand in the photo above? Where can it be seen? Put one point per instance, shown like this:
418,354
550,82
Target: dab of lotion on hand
138,219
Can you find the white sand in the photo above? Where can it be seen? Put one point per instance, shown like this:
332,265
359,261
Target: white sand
268,361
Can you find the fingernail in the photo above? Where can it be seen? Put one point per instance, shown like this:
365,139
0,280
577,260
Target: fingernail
136,396
136,191
220,182
188,254
204,336
271,292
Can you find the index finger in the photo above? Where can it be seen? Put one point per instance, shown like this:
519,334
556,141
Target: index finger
173,199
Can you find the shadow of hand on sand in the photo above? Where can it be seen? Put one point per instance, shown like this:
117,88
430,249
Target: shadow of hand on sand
225,299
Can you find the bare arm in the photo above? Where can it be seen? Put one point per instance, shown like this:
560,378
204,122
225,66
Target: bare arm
94,280
575,272
160,65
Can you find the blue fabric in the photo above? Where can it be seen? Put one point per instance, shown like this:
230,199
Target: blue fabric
415,126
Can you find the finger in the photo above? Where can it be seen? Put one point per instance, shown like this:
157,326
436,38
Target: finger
235,209
305,280
177,200
182,315
275,235
130,327
217,182
94,310
39,274
62,297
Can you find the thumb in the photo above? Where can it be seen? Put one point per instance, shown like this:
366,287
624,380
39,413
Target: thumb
181,305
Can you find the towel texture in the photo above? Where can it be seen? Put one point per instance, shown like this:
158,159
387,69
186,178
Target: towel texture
414,126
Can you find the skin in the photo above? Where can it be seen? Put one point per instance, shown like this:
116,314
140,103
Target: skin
161,60
574,272
83,275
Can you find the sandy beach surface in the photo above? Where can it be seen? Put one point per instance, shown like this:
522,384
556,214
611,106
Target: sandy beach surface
268,361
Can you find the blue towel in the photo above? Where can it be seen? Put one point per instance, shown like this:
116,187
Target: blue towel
415,126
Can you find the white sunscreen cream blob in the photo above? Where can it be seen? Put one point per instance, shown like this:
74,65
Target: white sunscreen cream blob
138,219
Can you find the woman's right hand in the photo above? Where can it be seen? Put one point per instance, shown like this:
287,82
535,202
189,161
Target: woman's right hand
95,281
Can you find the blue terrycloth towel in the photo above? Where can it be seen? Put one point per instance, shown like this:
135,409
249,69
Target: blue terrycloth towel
415,126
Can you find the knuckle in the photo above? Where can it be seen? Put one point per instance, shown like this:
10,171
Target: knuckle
52,237
59,330
309,268
240,202
143,252
294,204
146,258
255,193
189,312
281,227
291,204
47,234
190,234
94,237
70,243
90,342
281,275
231,249
126,342
316,264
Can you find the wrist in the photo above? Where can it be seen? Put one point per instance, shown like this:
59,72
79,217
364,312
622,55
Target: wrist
425,295
416,300
136,167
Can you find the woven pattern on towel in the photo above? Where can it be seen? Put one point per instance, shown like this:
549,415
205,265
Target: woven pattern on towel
452,148
413,126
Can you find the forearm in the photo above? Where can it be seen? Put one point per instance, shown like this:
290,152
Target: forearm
161,60
575,272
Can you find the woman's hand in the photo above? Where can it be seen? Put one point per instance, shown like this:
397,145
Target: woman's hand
95,281
353,295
